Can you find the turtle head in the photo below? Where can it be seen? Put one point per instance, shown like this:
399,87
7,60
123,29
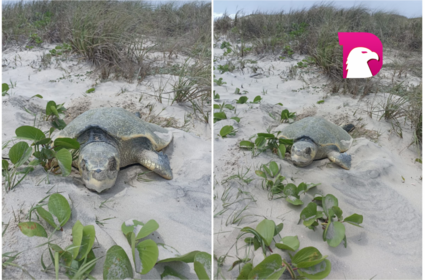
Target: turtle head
99,164
303,152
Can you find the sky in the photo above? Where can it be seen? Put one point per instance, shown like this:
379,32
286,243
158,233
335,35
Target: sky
410,9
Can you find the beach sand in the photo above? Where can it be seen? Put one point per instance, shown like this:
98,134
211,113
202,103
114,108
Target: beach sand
384,183
181,206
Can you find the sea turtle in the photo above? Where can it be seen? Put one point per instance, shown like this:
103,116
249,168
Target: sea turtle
317,138
111,138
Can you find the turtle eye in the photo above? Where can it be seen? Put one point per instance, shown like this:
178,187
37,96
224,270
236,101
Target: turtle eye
112,164
308,151
83,164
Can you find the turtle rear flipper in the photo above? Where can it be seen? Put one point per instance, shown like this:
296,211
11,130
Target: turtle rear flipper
348,127
157,162
341,159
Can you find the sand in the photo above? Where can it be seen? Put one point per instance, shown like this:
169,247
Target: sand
383,184
182,206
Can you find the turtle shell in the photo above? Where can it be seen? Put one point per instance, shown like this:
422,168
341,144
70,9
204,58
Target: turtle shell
120,124
321,131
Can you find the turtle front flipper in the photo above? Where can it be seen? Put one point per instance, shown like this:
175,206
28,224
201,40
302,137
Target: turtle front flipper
157,162
341,159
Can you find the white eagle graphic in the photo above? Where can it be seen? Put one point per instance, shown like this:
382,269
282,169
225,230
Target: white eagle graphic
357,66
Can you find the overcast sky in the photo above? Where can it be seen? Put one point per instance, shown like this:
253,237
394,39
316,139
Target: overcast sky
409,9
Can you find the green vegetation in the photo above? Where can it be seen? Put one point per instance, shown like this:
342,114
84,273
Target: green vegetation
286,116
78,260
109,34
219,82
266,141
54,156
333,230
315,32
273,182
227,130
307,262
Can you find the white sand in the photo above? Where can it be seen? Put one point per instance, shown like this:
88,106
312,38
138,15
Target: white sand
182,206
390,244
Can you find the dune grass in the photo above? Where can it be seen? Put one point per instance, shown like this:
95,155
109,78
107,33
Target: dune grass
314,32
117,36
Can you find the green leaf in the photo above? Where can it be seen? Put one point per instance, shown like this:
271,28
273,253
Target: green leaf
267,170
55,111
148,253
274,168
32,229
242,100
47,216
168,271
64,158
281,151
246,144
311,185
290,243
260,141
284,141
77,238
302,187
187,258
47,153
202,265
220,116
17,151
225,130
291,194
354,219
236,119
254,241
29,133
327,202
57,265
85,266
229,106
318,271
337,211
306,257
246,269
87,241
278,229
49,106
64,255
269,268
4,164
320,101
216,106
4,87
90,90
335,233
117,264
308,214
42,142
131,238
260,174
147,229
58,124
257,99
126,229
37,95
266,229
66,143
59,207
266,135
